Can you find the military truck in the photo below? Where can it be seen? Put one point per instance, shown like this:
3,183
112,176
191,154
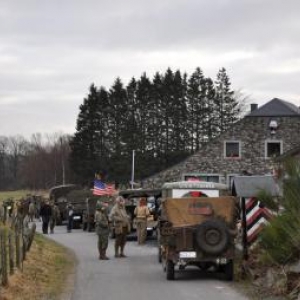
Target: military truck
132,197
58,194
78,199
197,227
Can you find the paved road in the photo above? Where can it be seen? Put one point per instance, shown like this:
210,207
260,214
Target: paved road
139,276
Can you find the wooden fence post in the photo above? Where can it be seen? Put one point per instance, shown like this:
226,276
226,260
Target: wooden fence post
4,258
18,251
1,254
11,252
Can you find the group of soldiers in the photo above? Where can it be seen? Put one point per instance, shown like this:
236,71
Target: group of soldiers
122,226
50,214
32,209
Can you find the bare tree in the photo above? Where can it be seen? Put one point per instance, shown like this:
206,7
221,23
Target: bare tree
16,149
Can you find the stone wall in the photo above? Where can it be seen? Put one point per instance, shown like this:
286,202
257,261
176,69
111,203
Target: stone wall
252,132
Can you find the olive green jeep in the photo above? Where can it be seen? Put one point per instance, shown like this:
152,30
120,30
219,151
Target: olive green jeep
197,226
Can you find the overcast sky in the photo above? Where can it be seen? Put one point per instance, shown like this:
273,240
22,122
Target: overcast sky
51,51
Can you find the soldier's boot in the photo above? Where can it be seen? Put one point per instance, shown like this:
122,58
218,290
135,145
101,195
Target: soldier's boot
122,252
104,257
117,251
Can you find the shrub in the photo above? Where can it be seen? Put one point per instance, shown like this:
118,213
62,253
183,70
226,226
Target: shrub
281,238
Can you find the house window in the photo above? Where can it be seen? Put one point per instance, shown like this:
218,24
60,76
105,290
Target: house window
202,177
273,148
232,149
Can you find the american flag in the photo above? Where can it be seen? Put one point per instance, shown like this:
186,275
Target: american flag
100,188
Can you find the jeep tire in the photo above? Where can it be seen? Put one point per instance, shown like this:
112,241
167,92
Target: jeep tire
229,270
159,258
212,237
170,270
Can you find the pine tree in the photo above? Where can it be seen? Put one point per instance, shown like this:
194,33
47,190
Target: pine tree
209,129
119,161
83,151
227,107
163,120
158,121
196,97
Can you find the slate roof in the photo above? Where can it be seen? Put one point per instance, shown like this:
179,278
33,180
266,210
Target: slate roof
276,108
249,186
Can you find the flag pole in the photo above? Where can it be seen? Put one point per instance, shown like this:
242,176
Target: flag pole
132,170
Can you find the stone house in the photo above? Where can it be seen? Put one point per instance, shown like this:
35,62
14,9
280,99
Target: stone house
248,147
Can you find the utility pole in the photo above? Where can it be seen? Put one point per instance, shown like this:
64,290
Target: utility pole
132,170
62,161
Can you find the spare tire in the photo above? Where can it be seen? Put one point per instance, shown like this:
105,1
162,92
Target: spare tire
212,237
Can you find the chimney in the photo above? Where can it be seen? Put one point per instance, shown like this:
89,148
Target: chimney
253,106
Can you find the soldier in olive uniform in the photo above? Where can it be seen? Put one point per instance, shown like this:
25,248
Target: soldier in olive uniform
31,211
54,216
102,229
142,213
119,216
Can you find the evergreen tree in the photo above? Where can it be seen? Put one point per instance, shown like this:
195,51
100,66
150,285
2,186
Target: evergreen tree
209,127
167,115
197,110
102,139
83,151
119,162
179,118
163,120
158,129
227,107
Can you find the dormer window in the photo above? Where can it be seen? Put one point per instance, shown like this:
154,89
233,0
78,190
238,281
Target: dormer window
232,149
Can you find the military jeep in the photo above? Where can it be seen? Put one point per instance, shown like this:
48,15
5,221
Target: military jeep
197,227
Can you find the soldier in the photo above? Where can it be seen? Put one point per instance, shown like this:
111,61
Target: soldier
70,213
31,210
2,213
54,216
141,212
45,213
120,218
102,229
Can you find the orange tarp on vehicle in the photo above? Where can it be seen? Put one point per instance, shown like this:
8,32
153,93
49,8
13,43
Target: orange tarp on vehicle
194,210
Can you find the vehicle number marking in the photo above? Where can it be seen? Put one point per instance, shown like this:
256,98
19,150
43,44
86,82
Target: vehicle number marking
187,254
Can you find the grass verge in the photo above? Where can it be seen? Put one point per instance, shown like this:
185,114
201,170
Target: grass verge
48,273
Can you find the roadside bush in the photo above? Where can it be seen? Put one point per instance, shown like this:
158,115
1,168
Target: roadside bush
281,238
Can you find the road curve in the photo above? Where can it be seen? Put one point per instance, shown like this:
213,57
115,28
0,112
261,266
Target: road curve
139,276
